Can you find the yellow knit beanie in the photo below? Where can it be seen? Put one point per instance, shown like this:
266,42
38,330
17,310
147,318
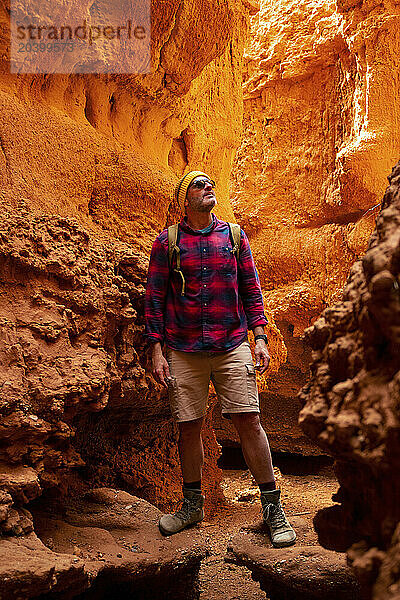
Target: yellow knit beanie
183,184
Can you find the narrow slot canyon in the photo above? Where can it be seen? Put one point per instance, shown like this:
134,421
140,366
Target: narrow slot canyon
292,108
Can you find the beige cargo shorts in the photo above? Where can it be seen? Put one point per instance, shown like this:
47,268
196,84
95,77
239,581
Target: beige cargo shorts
233,376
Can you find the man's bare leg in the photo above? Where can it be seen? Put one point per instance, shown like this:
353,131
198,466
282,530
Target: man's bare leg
258,458
191,451
191,454
255,446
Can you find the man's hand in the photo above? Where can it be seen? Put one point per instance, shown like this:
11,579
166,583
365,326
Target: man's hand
262,356
160,365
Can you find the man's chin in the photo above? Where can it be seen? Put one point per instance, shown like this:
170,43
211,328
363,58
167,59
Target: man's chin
211,201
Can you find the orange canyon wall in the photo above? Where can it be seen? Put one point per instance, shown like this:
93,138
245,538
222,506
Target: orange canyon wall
351,407
320,136
88,165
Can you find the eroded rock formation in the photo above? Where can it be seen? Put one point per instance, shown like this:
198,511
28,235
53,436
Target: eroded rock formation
302,572
320,136
88,165
351,406
87,168
103,545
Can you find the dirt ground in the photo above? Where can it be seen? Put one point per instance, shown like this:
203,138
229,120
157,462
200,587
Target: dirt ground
302,495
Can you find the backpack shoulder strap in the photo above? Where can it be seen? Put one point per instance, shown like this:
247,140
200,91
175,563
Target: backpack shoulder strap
173,247
172,238
234,232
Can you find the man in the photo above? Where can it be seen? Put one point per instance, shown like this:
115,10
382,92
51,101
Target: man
201,307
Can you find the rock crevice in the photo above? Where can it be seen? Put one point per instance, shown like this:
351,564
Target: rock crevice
351,403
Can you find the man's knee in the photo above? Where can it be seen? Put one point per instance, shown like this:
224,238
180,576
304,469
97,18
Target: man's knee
190,429
247,423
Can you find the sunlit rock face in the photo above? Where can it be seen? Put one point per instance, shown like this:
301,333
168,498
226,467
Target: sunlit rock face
321,110
351,406
88,165
109,145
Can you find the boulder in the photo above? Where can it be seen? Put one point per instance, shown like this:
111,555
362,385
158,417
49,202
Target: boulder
105,543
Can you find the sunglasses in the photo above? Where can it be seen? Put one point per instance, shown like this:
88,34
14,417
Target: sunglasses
200,184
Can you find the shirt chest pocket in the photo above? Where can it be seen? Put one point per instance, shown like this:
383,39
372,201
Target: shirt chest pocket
226,261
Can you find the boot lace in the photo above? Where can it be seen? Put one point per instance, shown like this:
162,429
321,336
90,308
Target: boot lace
184,511
273,513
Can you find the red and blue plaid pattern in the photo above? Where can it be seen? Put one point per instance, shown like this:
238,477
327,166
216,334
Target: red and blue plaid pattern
219,304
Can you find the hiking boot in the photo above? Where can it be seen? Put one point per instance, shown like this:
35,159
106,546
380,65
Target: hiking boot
280,530
190,513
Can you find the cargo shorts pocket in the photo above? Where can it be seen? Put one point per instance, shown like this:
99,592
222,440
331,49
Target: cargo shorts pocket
251,381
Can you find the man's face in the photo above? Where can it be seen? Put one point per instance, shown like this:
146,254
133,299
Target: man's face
199,198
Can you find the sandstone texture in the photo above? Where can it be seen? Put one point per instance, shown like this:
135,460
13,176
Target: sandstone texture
107,148
320,135
88,164
75,396
351,406
102,545
302,572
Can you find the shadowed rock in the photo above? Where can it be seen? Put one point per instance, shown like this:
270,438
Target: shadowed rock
301,572
104,544
351,406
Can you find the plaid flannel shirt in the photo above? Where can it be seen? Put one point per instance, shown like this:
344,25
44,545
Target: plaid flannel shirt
222,295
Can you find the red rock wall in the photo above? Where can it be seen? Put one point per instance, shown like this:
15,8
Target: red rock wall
88,166
320,135
351,406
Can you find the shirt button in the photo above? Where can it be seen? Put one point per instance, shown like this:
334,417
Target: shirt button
205,285
205,303
204,249
204,268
